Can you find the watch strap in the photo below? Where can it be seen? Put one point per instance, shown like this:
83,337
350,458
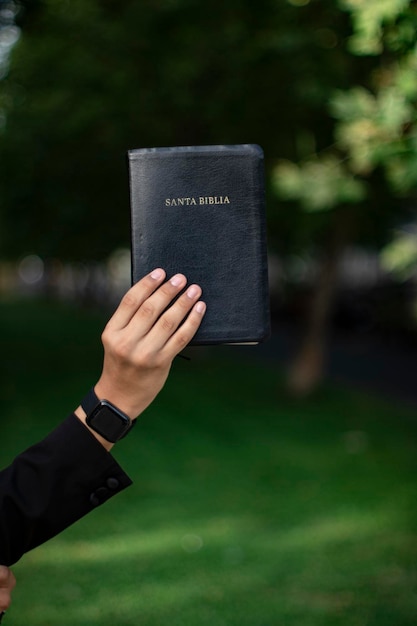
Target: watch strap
90,401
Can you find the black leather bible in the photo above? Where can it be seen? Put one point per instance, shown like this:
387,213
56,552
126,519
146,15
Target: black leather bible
200,211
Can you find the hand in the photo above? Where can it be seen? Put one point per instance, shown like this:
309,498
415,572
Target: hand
142,338
7,583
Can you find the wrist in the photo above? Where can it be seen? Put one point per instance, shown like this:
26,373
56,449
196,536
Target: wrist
80,413
105,418
120,398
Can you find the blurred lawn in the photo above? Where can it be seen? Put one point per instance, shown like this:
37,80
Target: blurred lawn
248,507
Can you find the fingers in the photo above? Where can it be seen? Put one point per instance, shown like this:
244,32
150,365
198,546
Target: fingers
7,583
156,304
182,337
143,304
134,299
168,324
153,314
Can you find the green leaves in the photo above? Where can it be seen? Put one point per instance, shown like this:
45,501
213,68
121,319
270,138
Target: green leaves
370,127
319,184
400,255
369,18
375,121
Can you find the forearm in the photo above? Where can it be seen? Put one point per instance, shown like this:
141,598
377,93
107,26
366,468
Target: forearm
53,484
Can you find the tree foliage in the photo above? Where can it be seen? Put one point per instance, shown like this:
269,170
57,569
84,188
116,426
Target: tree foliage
90,79
373,155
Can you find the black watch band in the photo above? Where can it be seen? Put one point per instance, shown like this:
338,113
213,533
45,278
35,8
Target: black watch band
105,418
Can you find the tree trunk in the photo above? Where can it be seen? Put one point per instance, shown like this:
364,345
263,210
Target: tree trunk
307,368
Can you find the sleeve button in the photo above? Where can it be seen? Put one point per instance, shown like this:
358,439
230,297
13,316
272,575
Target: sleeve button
98,496
112,483
94,501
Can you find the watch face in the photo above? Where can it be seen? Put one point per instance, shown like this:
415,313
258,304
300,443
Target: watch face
108,422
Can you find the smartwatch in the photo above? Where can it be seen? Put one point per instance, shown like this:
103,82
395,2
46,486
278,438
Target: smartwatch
105,418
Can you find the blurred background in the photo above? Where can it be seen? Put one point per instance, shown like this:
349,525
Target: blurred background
322,416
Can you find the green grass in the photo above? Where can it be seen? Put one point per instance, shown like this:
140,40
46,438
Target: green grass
248,507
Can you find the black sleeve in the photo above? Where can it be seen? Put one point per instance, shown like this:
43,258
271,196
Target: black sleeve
52,485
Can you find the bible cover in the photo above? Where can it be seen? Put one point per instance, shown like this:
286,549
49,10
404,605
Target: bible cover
200,211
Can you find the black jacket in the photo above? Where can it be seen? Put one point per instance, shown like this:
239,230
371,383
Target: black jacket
52,485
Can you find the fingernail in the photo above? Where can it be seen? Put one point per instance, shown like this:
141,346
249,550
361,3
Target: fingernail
200,307
156,274
177,280
193,291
